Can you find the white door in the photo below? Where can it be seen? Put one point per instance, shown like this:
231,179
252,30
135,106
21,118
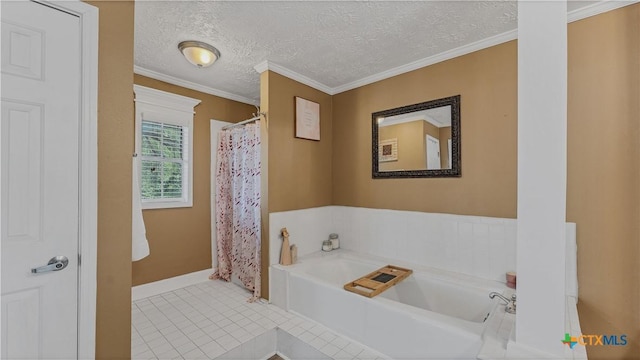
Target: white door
40,180
433,153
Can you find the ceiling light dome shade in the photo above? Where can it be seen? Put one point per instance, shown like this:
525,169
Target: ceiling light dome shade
198,53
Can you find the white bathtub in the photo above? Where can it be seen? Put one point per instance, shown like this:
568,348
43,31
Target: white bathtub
431,314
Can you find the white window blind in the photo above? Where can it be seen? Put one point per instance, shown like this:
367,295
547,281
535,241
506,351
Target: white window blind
163,161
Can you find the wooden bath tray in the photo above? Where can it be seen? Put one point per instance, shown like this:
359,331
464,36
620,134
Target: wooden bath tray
378,281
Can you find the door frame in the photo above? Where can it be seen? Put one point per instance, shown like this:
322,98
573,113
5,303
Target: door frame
88,193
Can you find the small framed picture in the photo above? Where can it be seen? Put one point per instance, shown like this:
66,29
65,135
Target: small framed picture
307,119
388,150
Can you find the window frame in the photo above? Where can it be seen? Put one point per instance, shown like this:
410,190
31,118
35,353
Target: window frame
163,107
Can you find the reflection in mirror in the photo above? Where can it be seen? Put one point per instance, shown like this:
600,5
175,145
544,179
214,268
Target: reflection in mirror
420,140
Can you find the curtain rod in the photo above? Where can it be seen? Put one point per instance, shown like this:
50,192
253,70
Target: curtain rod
257,117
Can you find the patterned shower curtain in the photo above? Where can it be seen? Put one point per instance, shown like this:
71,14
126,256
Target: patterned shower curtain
238,206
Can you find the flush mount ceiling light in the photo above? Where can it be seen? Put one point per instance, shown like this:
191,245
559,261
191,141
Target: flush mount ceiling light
198,53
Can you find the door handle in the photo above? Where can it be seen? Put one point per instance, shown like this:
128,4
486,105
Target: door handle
56,263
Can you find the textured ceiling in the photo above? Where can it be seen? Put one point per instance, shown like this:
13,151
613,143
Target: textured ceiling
334,42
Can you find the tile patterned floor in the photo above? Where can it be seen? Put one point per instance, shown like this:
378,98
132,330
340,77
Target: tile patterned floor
206,320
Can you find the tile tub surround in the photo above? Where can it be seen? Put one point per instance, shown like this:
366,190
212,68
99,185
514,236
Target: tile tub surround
480,246
307,229
483,247
206,320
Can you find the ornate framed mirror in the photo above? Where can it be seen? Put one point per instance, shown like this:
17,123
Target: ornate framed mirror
419,140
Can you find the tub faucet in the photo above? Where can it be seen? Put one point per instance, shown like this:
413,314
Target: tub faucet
511,303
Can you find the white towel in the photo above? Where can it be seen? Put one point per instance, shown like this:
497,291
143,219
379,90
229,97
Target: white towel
139,243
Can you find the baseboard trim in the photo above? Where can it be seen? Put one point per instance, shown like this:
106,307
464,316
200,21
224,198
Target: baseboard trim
170,284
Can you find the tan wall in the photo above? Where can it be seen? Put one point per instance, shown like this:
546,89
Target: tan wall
488,127
430,129
603,192
115,146
296,173
299,169
180,239
411,153
603,196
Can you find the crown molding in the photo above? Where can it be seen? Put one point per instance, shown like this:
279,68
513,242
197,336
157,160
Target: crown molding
404,121
597,9
262,67
268,65
191,85
447,55
450,54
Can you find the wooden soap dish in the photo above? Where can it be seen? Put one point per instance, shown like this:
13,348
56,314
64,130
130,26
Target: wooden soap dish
378,281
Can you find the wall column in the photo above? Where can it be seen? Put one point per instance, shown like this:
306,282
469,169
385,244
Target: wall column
542,174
